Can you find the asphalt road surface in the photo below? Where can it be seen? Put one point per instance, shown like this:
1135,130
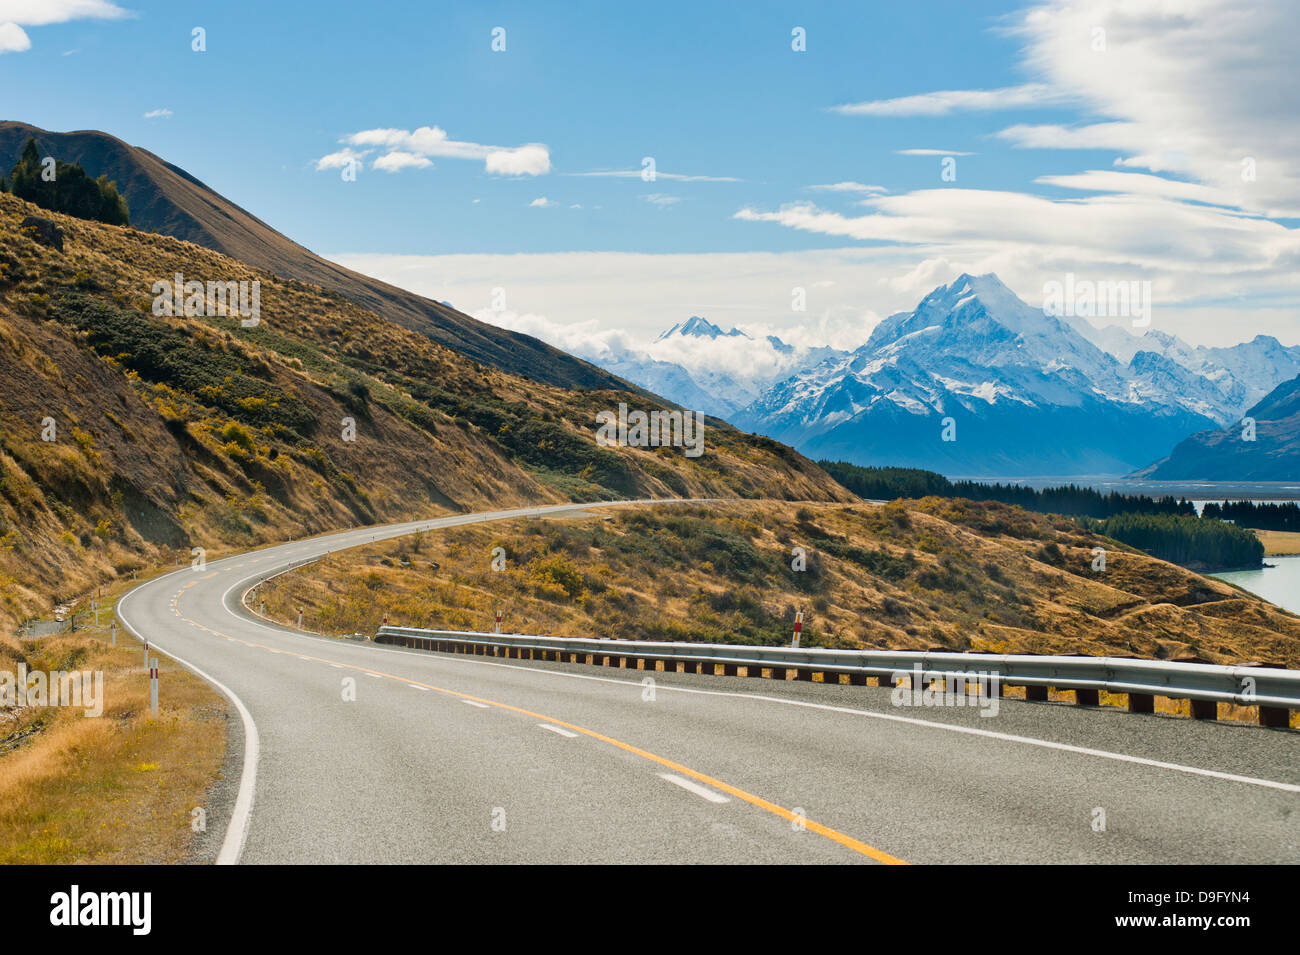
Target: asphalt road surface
450,758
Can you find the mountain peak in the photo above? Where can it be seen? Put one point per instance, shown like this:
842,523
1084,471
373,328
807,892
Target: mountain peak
697,327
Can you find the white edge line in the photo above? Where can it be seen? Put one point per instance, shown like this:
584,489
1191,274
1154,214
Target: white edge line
559,730
691,785
232,846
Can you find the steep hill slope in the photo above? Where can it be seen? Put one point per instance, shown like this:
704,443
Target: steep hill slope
165,198
128,437
1224,454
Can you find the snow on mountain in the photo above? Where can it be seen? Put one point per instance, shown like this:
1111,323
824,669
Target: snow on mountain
699,366
1029,394
1231,379
696,327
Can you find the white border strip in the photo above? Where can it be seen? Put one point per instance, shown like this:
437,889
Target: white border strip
232,846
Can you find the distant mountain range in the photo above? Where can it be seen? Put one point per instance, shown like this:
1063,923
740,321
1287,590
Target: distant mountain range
165,198
1270,451
698,365
1028,394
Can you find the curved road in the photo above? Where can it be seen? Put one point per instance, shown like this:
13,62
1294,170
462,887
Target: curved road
442,758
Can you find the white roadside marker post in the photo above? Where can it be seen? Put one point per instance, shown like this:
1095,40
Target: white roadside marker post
146,654
299,618
798,627
112,634
498,621
153,686
94,605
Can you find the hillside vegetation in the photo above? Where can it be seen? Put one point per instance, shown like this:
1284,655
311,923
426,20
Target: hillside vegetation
940,574
166,199
170,432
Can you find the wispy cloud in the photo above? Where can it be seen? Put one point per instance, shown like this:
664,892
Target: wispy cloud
943,102
659,199
541,202
407,149
397,160
158,114
640,174
854,187
931,152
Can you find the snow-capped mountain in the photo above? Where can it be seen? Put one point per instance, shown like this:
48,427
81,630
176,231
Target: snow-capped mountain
1027,393
1229,380
699,366
696,327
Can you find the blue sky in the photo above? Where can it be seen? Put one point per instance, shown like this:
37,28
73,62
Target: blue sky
714,90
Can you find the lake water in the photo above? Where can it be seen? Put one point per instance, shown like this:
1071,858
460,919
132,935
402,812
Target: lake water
1279,584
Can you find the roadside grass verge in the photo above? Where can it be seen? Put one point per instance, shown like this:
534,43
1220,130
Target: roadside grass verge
118,788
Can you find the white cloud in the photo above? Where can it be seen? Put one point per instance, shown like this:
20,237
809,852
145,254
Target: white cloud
39,13
13,39
659,199
930,152
630,298
341,158
1138,184
639,174
848,187
531,160
397,160
16,14
1194,88
943,102
404,149
541,202
158,114
1095,136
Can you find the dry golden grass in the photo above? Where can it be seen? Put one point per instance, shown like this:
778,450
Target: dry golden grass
1279,543
993,578
118,788
154,457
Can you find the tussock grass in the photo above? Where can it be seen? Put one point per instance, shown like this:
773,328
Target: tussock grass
972,577
118,788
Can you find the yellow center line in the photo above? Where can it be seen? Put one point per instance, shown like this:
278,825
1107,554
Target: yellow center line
834,835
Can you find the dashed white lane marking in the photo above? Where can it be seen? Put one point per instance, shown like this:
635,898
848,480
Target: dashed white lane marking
481,706
690,785
416,686
559,730
337,666
374,676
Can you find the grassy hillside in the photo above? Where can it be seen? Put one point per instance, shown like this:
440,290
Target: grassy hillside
166,199
939,574
174,432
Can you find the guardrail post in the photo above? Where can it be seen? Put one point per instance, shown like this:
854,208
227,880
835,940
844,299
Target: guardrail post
1275,717
1141,703
1086,697
1036,693
1204,709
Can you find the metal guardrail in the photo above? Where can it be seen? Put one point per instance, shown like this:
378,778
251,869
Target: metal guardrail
1274,691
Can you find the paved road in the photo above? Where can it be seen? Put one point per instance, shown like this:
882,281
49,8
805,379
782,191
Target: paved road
443,758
